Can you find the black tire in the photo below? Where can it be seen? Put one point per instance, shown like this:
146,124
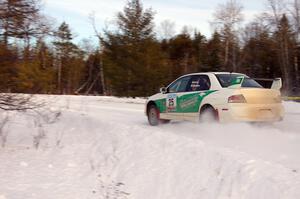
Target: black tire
153,115
208,115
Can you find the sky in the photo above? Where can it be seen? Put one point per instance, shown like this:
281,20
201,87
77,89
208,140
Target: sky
193,13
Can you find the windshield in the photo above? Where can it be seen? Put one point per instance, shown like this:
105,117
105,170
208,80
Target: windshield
225,80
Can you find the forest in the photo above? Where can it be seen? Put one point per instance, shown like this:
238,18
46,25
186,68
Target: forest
38,56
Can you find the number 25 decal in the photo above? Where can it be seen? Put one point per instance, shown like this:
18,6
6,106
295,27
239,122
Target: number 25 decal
171,102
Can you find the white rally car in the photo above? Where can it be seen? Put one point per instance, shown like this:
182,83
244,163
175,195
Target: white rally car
219,96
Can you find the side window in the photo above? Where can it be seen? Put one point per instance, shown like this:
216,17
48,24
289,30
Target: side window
198,83
180,85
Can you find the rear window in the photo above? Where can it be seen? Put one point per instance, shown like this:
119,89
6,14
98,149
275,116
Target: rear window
225,80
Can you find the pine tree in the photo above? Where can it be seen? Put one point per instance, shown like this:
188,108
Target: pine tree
181,53
69,61
200,52
135,23
260,59
15,18
8,68
132,57
214,57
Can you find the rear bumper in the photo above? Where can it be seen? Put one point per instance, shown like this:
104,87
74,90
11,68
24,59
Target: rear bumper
251,112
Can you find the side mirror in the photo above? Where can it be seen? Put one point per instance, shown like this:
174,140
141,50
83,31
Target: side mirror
163,90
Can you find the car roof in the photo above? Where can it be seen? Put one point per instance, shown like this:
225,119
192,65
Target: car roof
215,73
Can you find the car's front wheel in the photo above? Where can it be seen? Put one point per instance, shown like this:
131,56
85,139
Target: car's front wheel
153,116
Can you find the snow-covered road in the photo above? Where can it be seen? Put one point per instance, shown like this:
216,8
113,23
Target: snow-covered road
277,143
103,147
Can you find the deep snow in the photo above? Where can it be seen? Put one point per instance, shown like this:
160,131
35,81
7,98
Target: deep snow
102,147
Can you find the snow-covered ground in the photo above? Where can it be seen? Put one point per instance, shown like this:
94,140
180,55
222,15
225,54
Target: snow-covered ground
102,147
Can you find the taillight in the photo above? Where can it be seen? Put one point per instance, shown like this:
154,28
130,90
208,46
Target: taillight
237,99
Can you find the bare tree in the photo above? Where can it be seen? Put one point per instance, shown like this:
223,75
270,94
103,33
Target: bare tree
18,102
92,78
101,73
17,17
279,20
166,29
276,8
294,9
227,20
87,45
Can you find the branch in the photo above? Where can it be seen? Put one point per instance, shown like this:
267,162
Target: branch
18,102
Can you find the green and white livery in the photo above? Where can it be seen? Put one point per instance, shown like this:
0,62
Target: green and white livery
215,96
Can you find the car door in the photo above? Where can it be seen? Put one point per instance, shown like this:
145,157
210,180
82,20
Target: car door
174,92
189,102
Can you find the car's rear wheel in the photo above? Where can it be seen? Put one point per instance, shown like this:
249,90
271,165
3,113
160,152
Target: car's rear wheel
208,114
153,116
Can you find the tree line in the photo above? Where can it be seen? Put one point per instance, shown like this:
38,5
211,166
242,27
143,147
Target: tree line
132,59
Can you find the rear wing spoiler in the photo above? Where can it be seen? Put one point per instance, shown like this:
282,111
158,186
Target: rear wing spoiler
276,82
238,81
